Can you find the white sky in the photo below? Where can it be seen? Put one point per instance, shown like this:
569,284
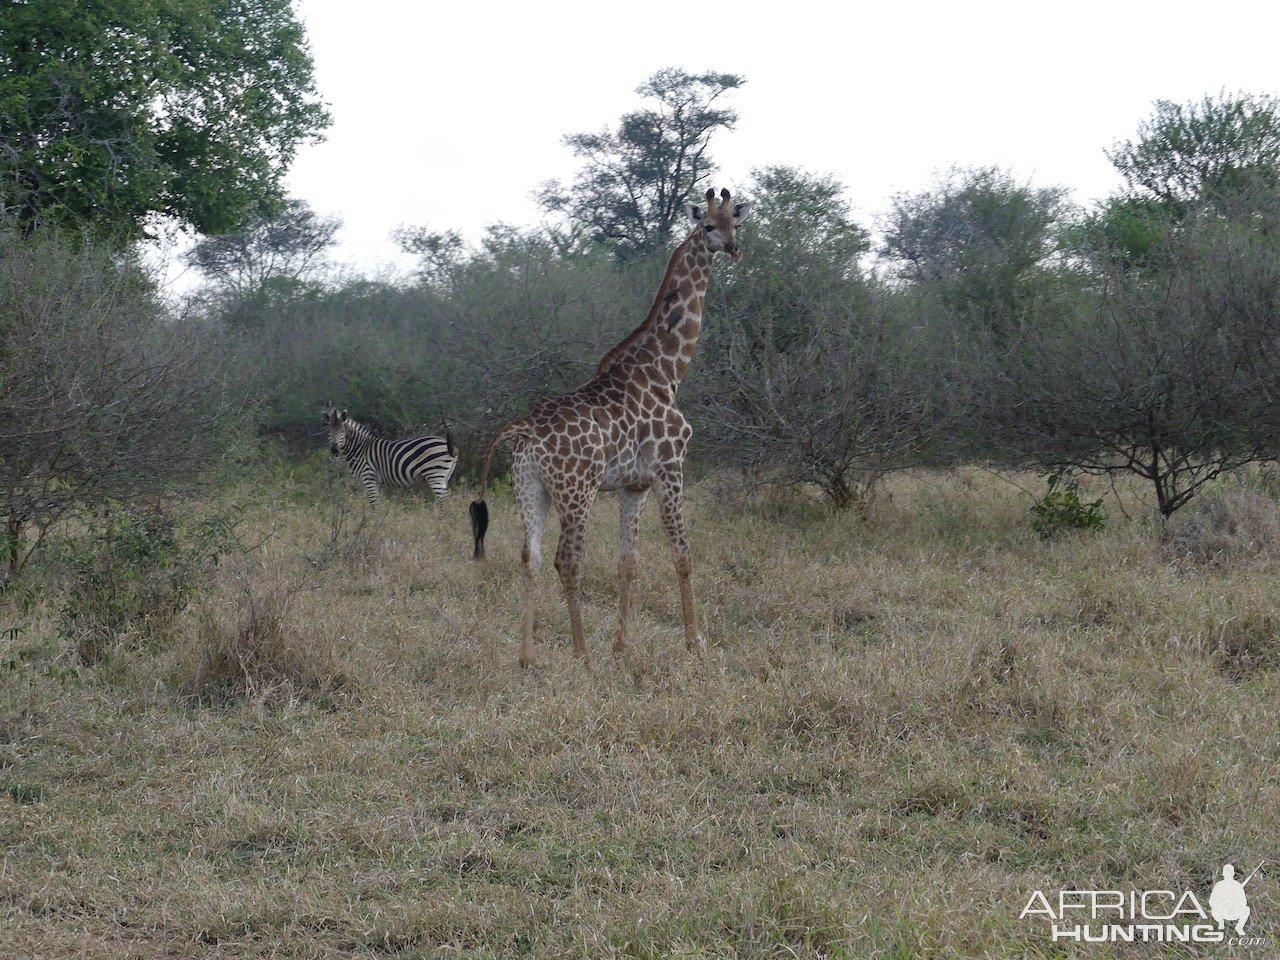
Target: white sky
451,114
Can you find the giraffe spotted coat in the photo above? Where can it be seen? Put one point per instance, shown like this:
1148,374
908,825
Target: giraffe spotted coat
619,431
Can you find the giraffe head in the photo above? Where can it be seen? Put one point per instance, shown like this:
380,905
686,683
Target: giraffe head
718,224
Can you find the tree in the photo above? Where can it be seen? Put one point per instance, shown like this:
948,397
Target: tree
269,262
102,395
118,110
439,253
979,241
839,409
804,252
636,180
809,375
1219,155
1171,374
1209,153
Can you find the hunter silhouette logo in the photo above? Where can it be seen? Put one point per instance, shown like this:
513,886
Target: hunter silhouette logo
1228,901
1149,916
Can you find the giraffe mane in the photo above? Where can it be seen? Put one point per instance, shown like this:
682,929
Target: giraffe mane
631,339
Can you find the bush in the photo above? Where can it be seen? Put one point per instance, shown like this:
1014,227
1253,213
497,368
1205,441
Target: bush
1062,509
132,576
104,396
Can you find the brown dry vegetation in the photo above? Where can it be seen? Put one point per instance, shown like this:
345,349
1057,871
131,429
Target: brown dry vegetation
901,728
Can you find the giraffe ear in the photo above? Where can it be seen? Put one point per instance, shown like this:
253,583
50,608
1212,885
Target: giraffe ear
740,211
695,212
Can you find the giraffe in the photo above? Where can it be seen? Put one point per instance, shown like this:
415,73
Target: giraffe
621,431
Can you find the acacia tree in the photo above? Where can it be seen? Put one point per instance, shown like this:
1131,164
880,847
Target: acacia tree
635,180
805,249
808,375
255,272
1168,377
1172,373
119,110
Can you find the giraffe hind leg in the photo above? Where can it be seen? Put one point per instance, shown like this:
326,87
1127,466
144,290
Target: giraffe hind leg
534,503
630,505
568,565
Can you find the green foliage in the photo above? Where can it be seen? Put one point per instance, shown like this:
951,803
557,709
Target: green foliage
979,241
1212,152
805,249
116,110
635,181
23,792
1062,509
269,263
132,574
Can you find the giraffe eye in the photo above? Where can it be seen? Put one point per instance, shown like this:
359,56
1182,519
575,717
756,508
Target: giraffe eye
709,227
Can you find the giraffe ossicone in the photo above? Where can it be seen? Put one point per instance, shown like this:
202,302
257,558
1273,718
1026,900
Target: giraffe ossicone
620,431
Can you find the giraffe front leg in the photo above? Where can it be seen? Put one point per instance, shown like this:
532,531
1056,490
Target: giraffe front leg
630,505
671,508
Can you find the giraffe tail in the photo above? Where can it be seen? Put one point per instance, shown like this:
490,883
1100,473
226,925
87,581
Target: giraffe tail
479,524
479,509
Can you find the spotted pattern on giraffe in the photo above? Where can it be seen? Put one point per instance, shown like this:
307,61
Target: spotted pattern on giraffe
620,431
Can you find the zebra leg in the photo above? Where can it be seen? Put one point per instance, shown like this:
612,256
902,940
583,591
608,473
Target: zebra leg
630,504
369,480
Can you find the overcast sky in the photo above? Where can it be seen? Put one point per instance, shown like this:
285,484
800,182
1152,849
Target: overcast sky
451,114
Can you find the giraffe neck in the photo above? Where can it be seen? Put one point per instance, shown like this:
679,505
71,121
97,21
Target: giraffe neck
667,337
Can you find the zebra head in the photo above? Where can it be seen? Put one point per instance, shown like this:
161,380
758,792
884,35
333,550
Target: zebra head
336,420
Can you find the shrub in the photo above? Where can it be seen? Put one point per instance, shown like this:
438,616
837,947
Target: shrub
132,576
1062,509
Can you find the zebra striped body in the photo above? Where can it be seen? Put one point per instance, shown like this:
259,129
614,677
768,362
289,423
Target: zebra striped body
375,462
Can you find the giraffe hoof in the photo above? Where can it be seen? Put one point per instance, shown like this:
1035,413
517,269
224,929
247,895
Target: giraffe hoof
696,645
526,663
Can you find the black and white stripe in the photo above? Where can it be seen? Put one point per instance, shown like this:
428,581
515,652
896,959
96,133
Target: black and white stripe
399,463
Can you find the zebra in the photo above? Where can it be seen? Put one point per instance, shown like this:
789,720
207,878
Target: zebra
398,463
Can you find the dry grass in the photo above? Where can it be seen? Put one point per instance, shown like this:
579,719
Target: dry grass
901,728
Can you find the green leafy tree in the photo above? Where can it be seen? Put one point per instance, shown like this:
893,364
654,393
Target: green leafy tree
1213,152
1170,373
635,180
1218,156
805,251
254,272
113,111
979,241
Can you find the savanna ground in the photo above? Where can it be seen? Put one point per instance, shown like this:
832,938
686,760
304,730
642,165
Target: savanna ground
903,726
